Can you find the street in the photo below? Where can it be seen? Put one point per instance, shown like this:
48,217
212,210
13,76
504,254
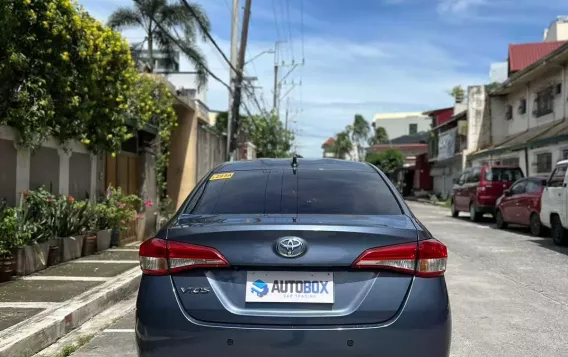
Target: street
508,291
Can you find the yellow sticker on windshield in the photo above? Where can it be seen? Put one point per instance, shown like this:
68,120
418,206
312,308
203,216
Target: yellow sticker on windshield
225,176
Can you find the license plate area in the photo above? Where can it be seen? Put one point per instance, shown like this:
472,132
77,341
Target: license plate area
290,287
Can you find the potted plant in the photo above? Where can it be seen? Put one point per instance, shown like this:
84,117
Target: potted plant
103,225
90,219
20,236
121,210
7,231
67,222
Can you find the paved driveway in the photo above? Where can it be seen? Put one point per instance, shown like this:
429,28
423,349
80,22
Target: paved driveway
509,292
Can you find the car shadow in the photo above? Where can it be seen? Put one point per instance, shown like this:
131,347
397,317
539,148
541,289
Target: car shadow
547,243
488,221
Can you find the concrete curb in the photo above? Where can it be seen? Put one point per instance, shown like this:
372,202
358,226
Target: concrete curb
425,201
32,335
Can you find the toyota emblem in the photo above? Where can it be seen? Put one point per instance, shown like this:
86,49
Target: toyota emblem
291,247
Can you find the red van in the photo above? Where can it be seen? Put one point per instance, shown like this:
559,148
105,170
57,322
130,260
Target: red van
478,188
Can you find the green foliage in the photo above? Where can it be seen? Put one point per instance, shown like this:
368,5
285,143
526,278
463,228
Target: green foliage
492,86
63,74
120,209
360,133
389,161
458,93
152,104
380,137
173,17
15,230
268,135
342,145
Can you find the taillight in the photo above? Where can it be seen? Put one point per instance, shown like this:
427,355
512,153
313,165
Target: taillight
426,259
162,257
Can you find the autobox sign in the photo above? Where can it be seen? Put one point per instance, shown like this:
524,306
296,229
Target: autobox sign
290,287
446,144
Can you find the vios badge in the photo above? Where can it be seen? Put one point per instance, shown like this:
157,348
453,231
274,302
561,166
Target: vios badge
291,247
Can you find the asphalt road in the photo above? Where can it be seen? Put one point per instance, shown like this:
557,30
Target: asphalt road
508,291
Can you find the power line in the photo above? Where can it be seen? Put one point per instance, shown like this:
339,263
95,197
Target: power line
276,20
204,30
178,44
289,28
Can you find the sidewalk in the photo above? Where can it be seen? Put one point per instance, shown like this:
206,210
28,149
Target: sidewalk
426,201
38,309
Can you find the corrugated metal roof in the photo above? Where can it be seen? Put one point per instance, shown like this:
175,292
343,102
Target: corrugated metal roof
524,54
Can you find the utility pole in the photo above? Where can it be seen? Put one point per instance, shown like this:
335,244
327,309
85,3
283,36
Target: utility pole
234,47
240,65
287,112
276,94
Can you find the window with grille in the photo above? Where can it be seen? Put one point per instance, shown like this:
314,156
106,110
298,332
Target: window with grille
412,128
544,162
544,102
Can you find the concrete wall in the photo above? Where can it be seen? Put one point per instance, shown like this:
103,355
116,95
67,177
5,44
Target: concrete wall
521,122
182,169
187,81
478,119
499,124
42,172
7,171
48,166
210,151
80,175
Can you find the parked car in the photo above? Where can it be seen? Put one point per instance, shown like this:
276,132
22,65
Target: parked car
554,204
521,205
325,259
477,189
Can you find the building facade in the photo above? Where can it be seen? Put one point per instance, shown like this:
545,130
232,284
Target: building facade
528,117
400,124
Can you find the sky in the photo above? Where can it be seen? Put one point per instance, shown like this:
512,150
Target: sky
362,56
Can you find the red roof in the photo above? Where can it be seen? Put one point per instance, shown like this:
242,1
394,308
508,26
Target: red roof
524,54
329,142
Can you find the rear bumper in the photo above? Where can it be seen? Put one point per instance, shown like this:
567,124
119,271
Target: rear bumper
422,328
486,209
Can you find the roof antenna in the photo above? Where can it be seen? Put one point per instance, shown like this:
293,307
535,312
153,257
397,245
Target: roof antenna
294,162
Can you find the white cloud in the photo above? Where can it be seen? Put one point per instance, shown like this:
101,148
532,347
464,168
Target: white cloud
459,6
340,78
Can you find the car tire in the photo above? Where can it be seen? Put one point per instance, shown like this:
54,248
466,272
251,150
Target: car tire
558,232
455,213
500,220
536,226
473,214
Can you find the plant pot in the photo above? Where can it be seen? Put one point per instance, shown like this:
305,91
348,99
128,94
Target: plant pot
72,248
115,237
6,268
90,245
140,228
31,258
54,256
103,239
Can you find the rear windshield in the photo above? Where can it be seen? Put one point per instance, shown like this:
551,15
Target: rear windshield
503,174
306,192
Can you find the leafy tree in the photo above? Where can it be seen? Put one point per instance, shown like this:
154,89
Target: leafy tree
492,86
458,94
342,145
63,74
148,14
390,161
268,135
360,132
380,137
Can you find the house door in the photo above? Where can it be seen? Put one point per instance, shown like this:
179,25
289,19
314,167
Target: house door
122,172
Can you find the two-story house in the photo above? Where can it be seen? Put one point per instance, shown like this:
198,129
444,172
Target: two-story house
528,111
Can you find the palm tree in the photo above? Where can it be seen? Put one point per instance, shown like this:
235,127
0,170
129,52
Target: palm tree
160,20
359,133
342,145
380,137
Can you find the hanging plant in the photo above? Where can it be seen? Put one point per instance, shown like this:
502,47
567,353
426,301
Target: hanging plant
152,103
